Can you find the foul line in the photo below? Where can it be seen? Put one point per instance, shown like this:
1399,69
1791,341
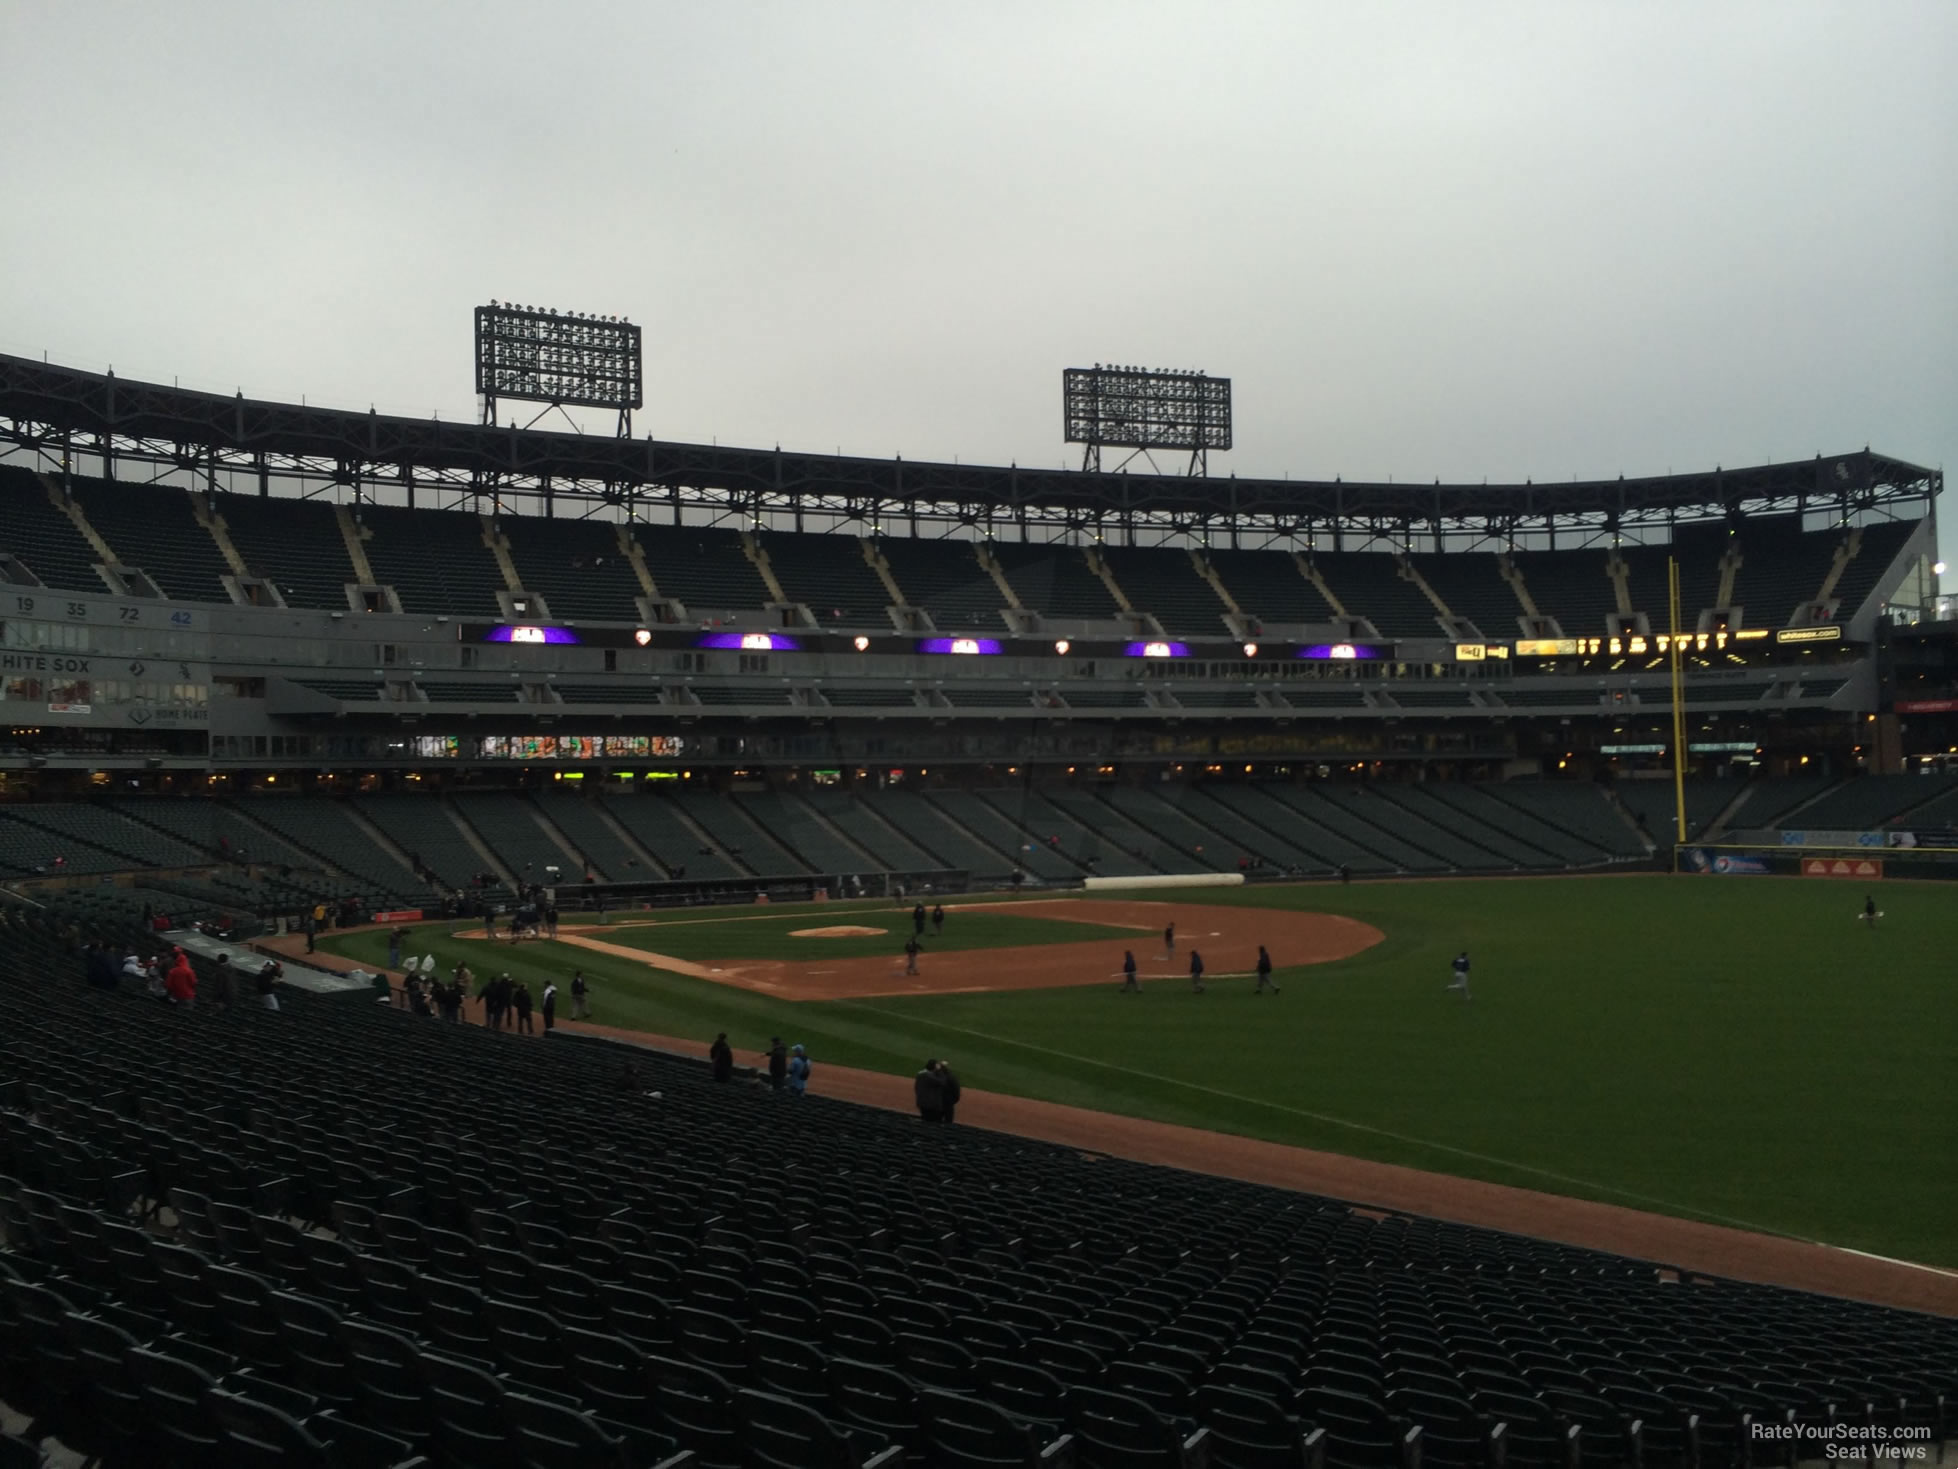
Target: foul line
1665,1204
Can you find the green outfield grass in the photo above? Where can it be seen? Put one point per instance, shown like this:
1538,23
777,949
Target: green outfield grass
724,935
1737,1050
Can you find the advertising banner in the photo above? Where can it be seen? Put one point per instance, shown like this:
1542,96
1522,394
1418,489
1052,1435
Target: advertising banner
1842,867
1724,864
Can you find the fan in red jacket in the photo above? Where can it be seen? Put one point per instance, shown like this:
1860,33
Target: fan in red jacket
180,982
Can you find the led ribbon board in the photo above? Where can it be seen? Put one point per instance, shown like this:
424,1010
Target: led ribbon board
1341,652
529,633
959,645
750,642
1156,649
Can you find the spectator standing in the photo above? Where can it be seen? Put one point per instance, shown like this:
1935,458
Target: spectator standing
311,924
579,989
929,1089
778,1063
225,986
949,1090
550,1006
798,1071
520,1000
180,981
268,983
394,947
721,1056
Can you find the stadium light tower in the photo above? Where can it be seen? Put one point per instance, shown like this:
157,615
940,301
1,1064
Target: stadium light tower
542,355
1141,409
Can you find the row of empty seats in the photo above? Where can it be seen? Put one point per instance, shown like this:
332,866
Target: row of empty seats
443,562
226,1228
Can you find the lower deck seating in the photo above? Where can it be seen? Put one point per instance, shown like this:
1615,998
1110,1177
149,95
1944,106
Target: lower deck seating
201,1252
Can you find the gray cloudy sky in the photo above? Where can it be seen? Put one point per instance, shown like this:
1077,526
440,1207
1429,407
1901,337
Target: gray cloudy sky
1426,240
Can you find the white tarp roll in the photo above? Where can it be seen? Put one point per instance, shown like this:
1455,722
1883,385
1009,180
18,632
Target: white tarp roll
1167,880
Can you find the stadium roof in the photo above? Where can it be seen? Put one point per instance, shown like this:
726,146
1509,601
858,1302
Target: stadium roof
49,409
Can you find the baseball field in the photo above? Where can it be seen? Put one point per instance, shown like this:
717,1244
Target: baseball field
1739,1051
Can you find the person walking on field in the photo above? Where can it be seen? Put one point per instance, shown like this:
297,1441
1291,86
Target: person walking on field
1196,972
1264,973
918,920
1869,910
579,989
938,919
1460,981
1129,983
912,948
1169,940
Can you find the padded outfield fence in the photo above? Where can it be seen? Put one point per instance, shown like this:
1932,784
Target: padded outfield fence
1865,863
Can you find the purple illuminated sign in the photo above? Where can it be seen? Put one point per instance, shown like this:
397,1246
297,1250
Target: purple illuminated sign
529,633
1341,651
1157,650
750,642
958,645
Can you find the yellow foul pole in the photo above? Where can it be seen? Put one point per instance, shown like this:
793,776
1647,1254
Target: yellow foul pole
1678,704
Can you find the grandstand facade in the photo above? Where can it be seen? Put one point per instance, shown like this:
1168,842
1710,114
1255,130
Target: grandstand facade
852,665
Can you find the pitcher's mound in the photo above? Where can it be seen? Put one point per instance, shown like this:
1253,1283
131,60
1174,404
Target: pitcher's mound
838,931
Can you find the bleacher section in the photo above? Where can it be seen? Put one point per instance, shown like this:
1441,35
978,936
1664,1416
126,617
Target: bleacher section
706,570
1879,548
1572,587
946,579
866,822
1780,569
1863,803
1653,801
1471,584
435,560
110,831
791,823
989,816
472,691
43,538
153,528
508,826
322,826
1056,580
1370,585
294,544
582,820
1163,580
1063,836
1268,586
946,841
27,850
656,824
1111,832
576,566
739,835
828,575
823,1282
425,833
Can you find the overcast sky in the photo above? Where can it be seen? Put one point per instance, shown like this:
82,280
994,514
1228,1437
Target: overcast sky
1447,240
